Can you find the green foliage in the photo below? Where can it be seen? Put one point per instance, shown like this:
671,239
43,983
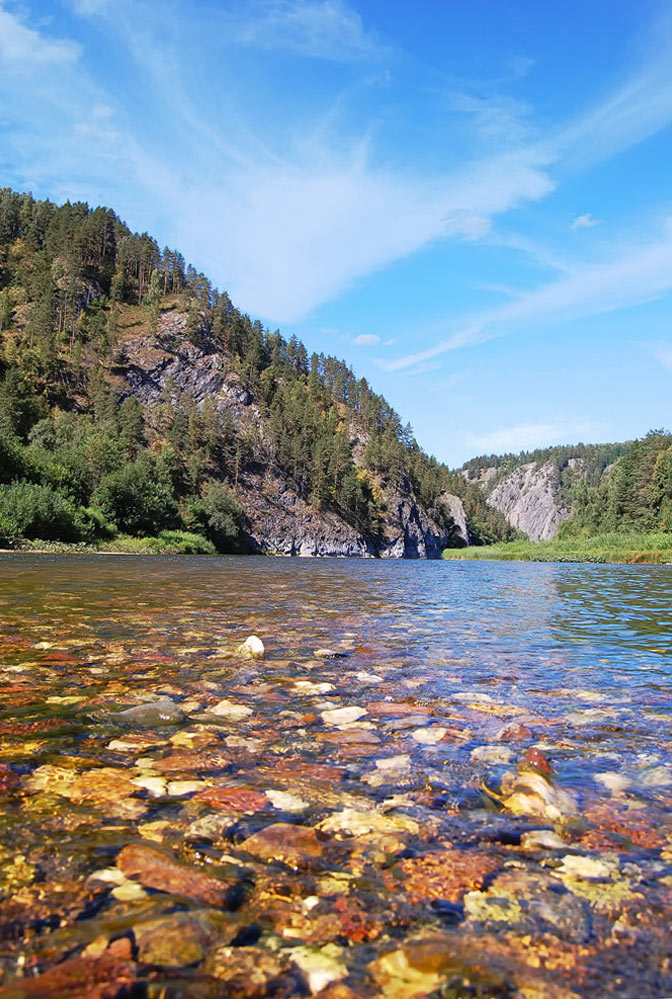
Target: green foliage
138,498
647,548
70,277
28,510
218,516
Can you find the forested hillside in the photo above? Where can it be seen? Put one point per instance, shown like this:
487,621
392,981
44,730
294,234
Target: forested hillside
585,489
634,494
136,400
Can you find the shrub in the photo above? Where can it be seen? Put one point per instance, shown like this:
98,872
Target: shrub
138,497
217,515
32,511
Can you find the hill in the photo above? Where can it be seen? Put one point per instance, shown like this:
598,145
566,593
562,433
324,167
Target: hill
137,401
588,490
537,491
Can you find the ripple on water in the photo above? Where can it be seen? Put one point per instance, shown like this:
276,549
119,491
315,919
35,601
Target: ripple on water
368,816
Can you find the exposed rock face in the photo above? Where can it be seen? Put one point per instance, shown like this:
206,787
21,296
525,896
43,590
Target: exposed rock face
164,366
529,499
459,515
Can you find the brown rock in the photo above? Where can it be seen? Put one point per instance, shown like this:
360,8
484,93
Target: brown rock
76,978
234,799
295,846
535,758
513,731
153,869
178,940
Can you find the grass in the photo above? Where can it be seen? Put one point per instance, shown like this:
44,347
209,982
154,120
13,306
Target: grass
167,543
645,549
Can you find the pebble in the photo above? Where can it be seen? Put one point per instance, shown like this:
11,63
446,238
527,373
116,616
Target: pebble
342,716
542,839
429,736
513,732
491,754
156,786
320,966
227,709
296,846
285,802
613,781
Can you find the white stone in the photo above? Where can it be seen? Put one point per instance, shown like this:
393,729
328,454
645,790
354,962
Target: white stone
401,762
613,781
252,648
584,867
321,967
343,716
491,754
285,802
429,736
155,785
177,788
227,709
308,687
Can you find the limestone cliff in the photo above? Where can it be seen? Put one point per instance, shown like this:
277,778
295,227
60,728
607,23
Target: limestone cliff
534,490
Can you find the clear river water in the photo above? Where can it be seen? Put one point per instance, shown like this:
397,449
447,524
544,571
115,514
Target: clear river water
444,779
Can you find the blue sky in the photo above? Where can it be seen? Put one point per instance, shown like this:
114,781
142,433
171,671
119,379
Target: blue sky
469,203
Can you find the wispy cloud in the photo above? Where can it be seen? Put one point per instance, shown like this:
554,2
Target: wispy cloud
366,339
24,50
631,113
528,436
287,225
636,275
662,353
585,221
317,29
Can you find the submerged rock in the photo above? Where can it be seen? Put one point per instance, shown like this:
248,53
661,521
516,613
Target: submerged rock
181,939
342,716
296,846
154,869
161,712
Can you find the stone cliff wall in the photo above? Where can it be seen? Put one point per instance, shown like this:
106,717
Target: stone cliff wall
165,365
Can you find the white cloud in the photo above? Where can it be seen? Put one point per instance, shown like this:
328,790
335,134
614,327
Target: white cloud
585,221
318,29
498,118
636,275
336,219
464,338
631,113
662,353
24,50
366,339
528,436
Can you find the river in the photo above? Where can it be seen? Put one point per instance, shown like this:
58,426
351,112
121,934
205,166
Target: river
445,778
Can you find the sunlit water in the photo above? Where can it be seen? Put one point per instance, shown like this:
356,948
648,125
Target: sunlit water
579,655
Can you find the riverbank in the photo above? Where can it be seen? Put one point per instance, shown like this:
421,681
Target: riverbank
628,549
167,543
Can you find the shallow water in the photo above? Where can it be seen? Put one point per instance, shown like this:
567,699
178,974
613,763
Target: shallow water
388,870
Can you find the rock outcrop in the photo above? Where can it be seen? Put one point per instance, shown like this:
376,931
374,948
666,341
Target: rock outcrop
529,499
166,367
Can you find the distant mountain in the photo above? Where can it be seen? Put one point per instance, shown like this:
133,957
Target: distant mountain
135,398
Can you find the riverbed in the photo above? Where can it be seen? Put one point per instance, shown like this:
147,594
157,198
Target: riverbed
444,779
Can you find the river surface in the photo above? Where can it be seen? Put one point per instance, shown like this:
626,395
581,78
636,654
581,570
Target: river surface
445,779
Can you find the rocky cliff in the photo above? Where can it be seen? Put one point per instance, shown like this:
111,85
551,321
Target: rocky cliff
535,490
167,367
530,500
